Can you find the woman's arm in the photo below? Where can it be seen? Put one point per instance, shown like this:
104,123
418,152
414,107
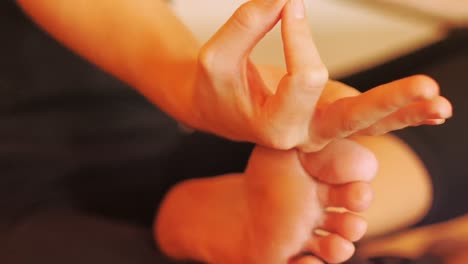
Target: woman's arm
216,88
140,41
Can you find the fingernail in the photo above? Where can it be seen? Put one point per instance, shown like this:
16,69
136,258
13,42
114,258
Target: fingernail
298,8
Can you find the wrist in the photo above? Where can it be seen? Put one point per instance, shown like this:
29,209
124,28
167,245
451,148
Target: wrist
188,108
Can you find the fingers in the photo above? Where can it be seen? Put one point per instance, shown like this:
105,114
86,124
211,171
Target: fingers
341,161
234,41
431,112
291,108
355,197
349,115
335,90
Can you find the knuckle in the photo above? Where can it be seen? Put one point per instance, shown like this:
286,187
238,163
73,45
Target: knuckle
207,57
405,119
212,62
351,125
351,122
246,17
315,78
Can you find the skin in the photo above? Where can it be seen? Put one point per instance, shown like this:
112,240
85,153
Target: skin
269,213
223,92
287,189
448,240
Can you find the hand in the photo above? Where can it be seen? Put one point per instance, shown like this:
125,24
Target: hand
233,100
336,96
230,97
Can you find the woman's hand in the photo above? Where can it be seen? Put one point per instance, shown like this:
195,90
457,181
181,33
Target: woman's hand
144,44
230,97
339,100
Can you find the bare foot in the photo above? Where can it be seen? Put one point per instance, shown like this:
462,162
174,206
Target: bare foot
271,213
286,204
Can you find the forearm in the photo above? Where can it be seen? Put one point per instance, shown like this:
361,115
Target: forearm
140,42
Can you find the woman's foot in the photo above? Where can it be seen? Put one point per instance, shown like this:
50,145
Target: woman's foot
271,214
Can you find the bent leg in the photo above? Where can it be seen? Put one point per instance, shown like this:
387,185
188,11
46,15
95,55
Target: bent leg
402,188
448,240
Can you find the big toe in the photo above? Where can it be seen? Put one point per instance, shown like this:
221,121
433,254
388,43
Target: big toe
341,161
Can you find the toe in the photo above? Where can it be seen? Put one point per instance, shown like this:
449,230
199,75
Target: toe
306,260
356,196
348,225
331,248
341,161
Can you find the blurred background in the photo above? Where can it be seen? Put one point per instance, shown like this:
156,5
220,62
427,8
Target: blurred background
352,35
